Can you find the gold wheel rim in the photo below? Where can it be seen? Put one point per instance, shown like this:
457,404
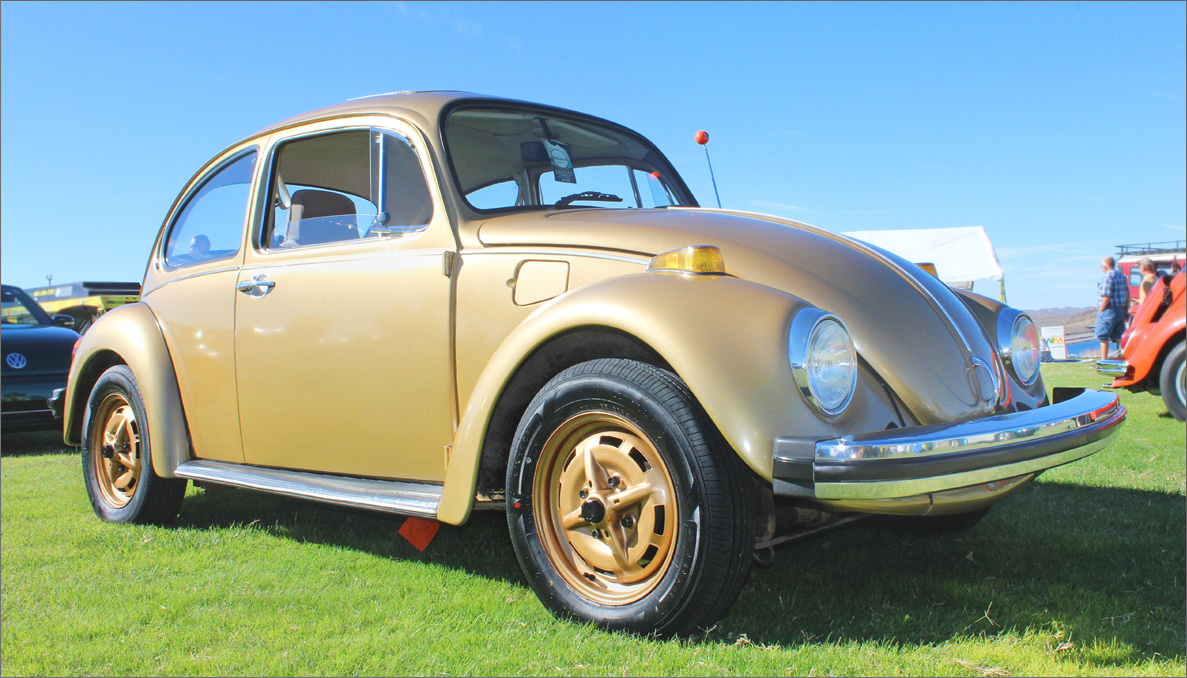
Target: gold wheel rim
116,451
605,507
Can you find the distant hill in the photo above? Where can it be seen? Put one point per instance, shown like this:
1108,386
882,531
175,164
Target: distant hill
1074,319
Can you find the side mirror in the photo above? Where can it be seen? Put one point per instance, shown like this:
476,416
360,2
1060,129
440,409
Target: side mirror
63,320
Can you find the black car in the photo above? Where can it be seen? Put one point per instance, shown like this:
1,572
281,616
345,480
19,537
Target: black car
37,355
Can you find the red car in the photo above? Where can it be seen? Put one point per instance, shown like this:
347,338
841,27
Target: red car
1153,356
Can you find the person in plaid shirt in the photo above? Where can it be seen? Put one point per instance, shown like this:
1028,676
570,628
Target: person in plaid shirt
1113,290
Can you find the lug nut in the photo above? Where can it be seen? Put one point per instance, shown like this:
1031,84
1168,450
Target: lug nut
583,493
628,522
615,481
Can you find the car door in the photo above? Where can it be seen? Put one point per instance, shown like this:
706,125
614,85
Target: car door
190,287
343,315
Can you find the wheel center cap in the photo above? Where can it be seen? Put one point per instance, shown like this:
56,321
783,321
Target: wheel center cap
593,512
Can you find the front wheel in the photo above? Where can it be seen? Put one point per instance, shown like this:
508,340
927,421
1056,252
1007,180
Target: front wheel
117,457
1172,384
625,506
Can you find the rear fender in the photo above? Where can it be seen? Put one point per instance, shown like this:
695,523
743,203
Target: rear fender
130,335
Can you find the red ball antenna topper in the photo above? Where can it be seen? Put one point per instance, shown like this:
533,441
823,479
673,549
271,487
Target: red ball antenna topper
702,138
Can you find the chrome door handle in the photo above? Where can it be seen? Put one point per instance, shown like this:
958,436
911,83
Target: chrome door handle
257,286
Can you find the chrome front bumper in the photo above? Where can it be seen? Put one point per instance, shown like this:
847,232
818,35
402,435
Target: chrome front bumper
891,466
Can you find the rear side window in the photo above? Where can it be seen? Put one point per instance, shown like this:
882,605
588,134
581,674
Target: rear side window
210,226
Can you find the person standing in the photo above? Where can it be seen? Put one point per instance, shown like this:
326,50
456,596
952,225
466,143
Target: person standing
1113,293
1149,277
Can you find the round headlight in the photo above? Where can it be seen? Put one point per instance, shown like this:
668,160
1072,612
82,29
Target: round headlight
823,360
1019,344
1024,349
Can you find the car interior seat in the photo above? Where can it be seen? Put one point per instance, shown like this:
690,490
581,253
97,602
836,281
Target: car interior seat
320,217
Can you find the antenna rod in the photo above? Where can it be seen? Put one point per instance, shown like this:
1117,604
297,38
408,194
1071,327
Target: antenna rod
702,138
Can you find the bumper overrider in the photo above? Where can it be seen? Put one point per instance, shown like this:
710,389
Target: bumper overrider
57,402
947,468
1114,368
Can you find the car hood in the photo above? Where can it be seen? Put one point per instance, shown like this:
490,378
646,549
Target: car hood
45,349
907,325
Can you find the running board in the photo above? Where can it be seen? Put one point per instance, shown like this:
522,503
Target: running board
413,499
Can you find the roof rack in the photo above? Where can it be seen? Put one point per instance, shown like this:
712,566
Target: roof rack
1165,247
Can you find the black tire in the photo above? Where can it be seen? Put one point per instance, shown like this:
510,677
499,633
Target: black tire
1170,382
117,456
933,525
676,550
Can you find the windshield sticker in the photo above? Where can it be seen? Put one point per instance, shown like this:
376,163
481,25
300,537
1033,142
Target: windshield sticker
562,166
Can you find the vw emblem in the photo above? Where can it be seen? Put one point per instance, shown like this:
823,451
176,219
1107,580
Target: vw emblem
15,360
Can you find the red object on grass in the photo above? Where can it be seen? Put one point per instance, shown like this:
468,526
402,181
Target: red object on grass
702,137
419,531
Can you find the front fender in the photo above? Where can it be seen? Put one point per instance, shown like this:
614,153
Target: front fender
130,335
725,337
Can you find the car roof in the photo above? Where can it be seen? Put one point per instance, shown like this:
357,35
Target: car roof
426,106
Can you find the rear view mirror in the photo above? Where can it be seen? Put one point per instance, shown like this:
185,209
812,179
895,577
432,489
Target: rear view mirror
63,320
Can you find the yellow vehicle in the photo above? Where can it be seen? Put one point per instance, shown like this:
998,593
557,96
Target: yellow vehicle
435,303
85,301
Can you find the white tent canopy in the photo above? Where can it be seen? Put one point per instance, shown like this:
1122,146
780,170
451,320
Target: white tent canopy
962,255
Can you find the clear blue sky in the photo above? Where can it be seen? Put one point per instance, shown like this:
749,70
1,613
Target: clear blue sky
1060,128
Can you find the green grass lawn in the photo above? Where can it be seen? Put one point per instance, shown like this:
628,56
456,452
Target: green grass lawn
1080,573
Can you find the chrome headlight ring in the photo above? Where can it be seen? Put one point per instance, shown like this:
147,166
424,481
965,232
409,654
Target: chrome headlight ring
823,360
1019,345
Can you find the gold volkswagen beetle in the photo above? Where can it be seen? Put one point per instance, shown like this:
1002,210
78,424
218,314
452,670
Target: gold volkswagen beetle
432,303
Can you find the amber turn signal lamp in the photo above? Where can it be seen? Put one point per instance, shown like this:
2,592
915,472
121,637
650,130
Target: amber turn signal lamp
929,267
701,259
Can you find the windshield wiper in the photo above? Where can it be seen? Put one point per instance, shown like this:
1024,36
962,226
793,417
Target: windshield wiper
587,195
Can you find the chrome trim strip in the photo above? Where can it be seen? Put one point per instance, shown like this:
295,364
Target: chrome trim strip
187,277
418,499
553,250
433,252
1088,411
1112,368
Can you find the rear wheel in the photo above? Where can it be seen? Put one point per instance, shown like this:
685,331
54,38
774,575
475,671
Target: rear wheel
117,457
625,506
1171,382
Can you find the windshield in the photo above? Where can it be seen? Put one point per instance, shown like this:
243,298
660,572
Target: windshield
20,309
508,158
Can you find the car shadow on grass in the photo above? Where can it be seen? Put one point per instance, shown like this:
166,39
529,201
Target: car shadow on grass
482,546
1100,568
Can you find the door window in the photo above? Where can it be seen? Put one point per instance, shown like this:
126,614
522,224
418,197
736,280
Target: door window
345,186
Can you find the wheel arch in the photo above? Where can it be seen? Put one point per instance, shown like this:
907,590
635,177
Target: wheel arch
554,355
651,317
129,335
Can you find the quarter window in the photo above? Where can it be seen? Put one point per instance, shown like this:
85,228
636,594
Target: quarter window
210,226
343,187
